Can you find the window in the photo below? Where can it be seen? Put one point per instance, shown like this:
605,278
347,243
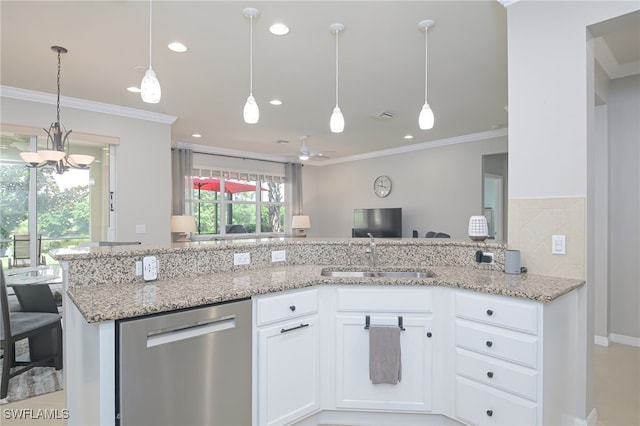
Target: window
229,202
70,208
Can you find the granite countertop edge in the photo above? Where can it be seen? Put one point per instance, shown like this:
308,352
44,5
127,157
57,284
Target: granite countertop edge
121,301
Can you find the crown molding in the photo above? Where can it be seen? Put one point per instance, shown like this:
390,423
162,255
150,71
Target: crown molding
610,65
472,137
99,107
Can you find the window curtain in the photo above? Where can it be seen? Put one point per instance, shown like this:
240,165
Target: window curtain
293,179
181,181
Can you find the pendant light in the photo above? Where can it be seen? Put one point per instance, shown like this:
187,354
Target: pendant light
426,118
251,111
336,123
57,153
150,86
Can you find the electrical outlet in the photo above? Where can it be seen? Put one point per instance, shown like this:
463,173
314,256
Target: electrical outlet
278,256
149,268
241,259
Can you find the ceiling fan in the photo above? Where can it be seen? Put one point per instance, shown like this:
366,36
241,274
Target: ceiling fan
305,153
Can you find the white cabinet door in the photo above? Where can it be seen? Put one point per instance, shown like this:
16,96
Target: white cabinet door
288,371
354,389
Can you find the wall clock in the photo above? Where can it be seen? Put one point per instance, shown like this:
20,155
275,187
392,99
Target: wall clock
382,186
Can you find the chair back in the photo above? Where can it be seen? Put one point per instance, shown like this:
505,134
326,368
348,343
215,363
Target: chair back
5,330
22,246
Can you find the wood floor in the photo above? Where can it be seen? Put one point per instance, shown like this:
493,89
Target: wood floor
617,393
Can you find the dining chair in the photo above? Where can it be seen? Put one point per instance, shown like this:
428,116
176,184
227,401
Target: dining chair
22,249
16,326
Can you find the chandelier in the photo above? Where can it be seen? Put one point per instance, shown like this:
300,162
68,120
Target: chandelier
57,153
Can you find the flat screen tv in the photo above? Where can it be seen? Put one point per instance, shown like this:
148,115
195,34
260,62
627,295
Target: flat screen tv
385,223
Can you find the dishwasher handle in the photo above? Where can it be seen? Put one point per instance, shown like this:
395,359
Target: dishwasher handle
286,330
187,331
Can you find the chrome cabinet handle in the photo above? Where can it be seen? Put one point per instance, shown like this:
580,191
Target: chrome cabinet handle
286,330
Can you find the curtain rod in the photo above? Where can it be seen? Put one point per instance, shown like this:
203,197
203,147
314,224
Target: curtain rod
240,158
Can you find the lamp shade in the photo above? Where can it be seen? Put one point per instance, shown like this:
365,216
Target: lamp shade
300,222
181,223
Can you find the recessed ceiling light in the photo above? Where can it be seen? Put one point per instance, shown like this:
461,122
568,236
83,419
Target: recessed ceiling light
178,47
408,136
275,102
133,89
279,29
196,135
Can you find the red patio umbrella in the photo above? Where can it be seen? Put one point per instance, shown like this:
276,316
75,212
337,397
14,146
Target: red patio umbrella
213,184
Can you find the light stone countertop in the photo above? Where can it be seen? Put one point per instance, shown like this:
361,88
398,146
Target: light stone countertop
132,299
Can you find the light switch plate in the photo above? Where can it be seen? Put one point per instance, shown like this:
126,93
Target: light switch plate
558,244
150,268
241,259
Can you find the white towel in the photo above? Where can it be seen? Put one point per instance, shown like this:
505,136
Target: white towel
384,355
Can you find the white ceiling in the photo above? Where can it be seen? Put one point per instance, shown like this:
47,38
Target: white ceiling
381,67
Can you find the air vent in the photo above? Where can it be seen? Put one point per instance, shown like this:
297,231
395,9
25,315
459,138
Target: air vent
384,115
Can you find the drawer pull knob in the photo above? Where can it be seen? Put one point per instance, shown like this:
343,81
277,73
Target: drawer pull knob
490,374
489,413
489,343
292,307
429,334
489,312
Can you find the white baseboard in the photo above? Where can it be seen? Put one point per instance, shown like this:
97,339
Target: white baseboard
601,340
625,340
591,420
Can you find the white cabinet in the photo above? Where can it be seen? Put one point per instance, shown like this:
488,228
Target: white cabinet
383,306
288,357
497,360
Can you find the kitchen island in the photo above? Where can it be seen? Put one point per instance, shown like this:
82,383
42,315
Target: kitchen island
535,313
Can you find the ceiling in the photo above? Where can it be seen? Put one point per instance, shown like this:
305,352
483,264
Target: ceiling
381,57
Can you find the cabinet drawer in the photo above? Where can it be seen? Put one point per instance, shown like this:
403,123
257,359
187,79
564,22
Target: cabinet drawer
518,315
502,375
384,300
504,344
477,404
285,306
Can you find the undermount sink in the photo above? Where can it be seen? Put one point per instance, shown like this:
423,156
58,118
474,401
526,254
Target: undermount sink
373,274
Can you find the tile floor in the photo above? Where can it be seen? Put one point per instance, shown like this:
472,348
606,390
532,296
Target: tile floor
617,392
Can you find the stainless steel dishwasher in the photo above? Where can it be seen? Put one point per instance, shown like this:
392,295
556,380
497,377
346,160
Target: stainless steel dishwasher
190,367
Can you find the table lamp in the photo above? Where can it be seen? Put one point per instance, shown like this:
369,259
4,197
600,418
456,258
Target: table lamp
181,225
299,224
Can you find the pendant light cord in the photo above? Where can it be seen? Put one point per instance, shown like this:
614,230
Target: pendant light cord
250,55
337,59
426,30
150,29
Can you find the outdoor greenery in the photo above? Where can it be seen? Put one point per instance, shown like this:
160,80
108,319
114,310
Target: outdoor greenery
62,213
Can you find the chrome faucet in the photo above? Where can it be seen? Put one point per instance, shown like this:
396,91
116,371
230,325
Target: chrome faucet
371,252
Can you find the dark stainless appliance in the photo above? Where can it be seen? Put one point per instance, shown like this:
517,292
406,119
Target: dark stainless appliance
190,367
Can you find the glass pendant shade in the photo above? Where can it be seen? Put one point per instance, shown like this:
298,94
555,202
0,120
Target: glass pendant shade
336,123
51,155
426,119
33,158
150,87
80,160
251,111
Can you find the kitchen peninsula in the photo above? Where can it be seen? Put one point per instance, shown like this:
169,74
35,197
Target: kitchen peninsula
460,323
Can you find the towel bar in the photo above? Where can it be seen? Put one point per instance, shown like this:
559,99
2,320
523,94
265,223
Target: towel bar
367,323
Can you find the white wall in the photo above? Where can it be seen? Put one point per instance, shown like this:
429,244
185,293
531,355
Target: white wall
143,186
624,206
551,117
438,189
